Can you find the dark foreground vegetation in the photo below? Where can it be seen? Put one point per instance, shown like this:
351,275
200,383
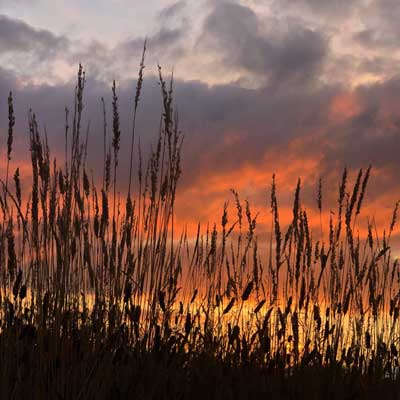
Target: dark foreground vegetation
103,298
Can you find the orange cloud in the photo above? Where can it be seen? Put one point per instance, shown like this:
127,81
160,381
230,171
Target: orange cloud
344,106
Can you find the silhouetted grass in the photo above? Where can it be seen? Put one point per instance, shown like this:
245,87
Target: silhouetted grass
105,299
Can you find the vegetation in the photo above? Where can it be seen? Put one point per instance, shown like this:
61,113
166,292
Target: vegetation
102,298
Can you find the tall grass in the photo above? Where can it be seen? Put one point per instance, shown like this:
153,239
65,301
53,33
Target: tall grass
104,298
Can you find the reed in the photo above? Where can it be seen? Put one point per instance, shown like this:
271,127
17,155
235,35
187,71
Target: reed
95,305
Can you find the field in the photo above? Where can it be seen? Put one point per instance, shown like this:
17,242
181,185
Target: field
102,296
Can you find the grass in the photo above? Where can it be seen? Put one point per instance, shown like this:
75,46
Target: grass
104,298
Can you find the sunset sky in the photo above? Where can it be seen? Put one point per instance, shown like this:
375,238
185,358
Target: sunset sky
301,88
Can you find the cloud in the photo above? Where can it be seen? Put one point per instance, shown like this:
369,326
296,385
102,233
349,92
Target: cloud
39,55
17,2
33,54
236,137
172,11
327,8
286,53
17,36
229,127
372,38
166,40
380,25
289,122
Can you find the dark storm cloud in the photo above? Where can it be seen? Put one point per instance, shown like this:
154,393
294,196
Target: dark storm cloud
17,36
291,118
265,48
227,127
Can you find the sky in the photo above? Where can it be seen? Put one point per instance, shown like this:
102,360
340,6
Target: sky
299,88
